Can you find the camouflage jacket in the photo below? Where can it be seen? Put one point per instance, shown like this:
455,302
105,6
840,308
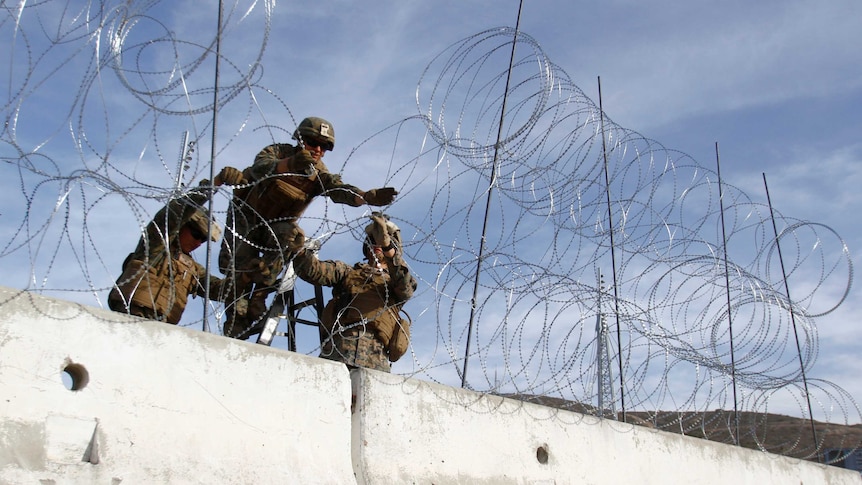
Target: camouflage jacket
157,274
277,195
361,294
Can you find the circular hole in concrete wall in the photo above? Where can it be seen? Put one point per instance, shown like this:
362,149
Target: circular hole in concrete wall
542,454
75,377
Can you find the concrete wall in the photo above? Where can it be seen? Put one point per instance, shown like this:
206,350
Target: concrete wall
161,404
407,428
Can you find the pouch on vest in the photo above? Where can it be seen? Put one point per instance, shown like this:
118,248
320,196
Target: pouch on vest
400,340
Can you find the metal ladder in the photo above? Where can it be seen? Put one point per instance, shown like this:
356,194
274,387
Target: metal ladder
285,307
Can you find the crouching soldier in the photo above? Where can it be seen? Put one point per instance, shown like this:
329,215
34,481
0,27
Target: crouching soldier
160,274
361,326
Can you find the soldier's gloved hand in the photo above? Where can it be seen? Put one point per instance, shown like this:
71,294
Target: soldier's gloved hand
379,232
381,196
229,176
296,241
304,157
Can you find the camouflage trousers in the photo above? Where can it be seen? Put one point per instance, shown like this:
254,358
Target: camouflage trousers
252,256
356,347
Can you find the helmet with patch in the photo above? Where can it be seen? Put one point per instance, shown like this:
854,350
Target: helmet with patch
318,128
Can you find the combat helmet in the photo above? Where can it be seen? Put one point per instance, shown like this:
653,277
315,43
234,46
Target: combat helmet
199,219
317,128
393,231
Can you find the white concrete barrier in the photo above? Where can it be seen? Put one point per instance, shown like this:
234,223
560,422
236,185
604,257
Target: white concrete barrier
153,403
410,431
160,404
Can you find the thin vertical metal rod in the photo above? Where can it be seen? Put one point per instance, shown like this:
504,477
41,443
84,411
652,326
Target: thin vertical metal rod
727,291
181,166
792,317
473,301
613,254
601,342
206,325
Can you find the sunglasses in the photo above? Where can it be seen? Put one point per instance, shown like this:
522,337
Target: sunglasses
197,234
316,143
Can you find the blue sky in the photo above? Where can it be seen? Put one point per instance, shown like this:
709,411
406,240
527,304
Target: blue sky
778,85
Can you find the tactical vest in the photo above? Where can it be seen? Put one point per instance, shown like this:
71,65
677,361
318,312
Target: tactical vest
282,195
163,285
363,297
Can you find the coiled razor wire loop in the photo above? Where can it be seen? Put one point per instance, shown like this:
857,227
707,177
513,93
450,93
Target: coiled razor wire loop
98,162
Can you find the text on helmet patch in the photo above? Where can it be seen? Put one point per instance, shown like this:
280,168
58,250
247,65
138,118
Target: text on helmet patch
324,129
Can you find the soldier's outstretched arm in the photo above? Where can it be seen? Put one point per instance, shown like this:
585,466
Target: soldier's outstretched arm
351,195
316,272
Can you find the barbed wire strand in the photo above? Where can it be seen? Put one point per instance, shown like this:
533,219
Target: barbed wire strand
74,179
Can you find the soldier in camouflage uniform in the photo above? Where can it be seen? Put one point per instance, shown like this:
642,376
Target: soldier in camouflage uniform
283,181
160,274
361,326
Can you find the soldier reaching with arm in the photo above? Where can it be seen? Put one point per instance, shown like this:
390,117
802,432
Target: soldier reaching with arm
160,274
284,179
361,326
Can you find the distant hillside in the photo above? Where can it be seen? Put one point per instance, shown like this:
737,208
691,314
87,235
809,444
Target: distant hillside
775,433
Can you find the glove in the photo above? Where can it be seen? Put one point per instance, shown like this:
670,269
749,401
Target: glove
379,232
296,240
381,196
229,176
304,158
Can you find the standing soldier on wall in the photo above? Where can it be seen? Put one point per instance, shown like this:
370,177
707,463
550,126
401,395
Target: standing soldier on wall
160,274
262,219
361,326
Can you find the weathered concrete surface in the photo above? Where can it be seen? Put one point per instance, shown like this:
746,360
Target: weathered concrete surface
404,429
160,404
